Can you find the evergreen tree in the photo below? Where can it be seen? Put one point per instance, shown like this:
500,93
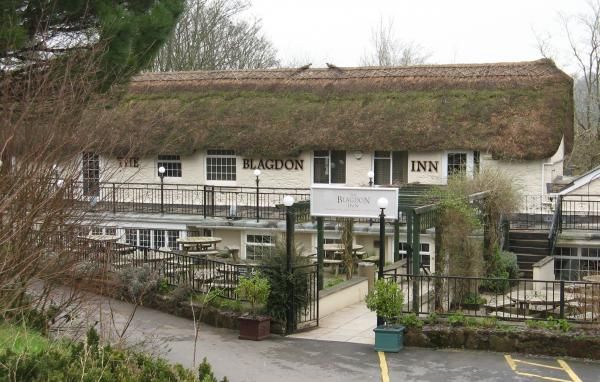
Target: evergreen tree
125,34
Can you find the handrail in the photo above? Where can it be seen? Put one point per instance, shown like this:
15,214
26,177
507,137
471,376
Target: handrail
555,228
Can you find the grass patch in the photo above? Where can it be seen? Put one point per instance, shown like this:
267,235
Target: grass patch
333,282
21,340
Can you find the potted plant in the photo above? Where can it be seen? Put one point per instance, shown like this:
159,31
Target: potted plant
386,300
255,290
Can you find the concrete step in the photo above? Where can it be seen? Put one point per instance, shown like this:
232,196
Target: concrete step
528,235
528,243
545,251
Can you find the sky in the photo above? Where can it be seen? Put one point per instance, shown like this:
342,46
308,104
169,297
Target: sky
453,31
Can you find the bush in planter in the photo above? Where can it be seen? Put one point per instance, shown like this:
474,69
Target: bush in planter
386,300
255,290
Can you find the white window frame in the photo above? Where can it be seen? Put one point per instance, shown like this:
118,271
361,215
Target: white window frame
160,162
421,252
235,166
469,170
576,256
312,172
252,244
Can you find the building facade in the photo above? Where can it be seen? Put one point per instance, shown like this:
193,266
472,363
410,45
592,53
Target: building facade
211,132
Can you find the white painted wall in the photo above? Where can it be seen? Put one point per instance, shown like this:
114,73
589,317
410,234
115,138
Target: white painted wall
426,177
527,175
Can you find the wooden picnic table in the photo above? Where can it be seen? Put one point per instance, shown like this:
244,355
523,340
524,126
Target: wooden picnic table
339,248
199,245
549,298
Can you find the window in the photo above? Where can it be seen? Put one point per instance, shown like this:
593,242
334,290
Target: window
91,174
569,264
131,236
331,240
457,163
159,238
172,237
259,246
172,165
389,167
220,165
144,236
476,161
110,231
329,166
566,251
96,231
424,253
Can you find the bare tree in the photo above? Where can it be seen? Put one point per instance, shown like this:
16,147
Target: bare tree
387,50
583,35
211,35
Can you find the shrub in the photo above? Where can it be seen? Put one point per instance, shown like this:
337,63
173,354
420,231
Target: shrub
411,320
89,361
550,324
457,319
473,298
505,268
386,300
289,290
432,318
205,373
254,289
137,283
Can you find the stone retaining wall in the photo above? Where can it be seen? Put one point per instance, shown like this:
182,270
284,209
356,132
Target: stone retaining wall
577,343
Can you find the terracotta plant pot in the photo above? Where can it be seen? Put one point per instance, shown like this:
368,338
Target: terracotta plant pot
255,328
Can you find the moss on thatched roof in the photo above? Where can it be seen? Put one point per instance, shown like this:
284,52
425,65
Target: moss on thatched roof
515,110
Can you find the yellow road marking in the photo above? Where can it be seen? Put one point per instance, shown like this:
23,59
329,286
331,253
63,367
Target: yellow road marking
383,365
512,363
539,364
568,370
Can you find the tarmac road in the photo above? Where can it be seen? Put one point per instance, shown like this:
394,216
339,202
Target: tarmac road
291,359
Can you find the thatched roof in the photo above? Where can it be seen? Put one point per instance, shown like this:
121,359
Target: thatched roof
512,110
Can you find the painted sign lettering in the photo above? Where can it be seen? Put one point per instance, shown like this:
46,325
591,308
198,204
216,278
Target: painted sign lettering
273,164
424,166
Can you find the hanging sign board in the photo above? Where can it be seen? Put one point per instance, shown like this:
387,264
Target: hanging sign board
352,202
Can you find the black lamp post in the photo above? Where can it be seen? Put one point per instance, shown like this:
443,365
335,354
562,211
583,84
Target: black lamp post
382,203
161,174
257,174
370,174
288,201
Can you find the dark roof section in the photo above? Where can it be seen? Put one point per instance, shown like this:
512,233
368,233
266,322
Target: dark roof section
512,110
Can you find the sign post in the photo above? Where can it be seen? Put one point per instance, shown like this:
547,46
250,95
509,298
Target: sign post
352,202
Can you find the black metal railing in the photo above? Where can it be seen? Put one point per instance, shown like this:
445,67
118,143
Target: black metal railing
200,274
580,212
512,299
534,212
572,212
556,226
263,203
